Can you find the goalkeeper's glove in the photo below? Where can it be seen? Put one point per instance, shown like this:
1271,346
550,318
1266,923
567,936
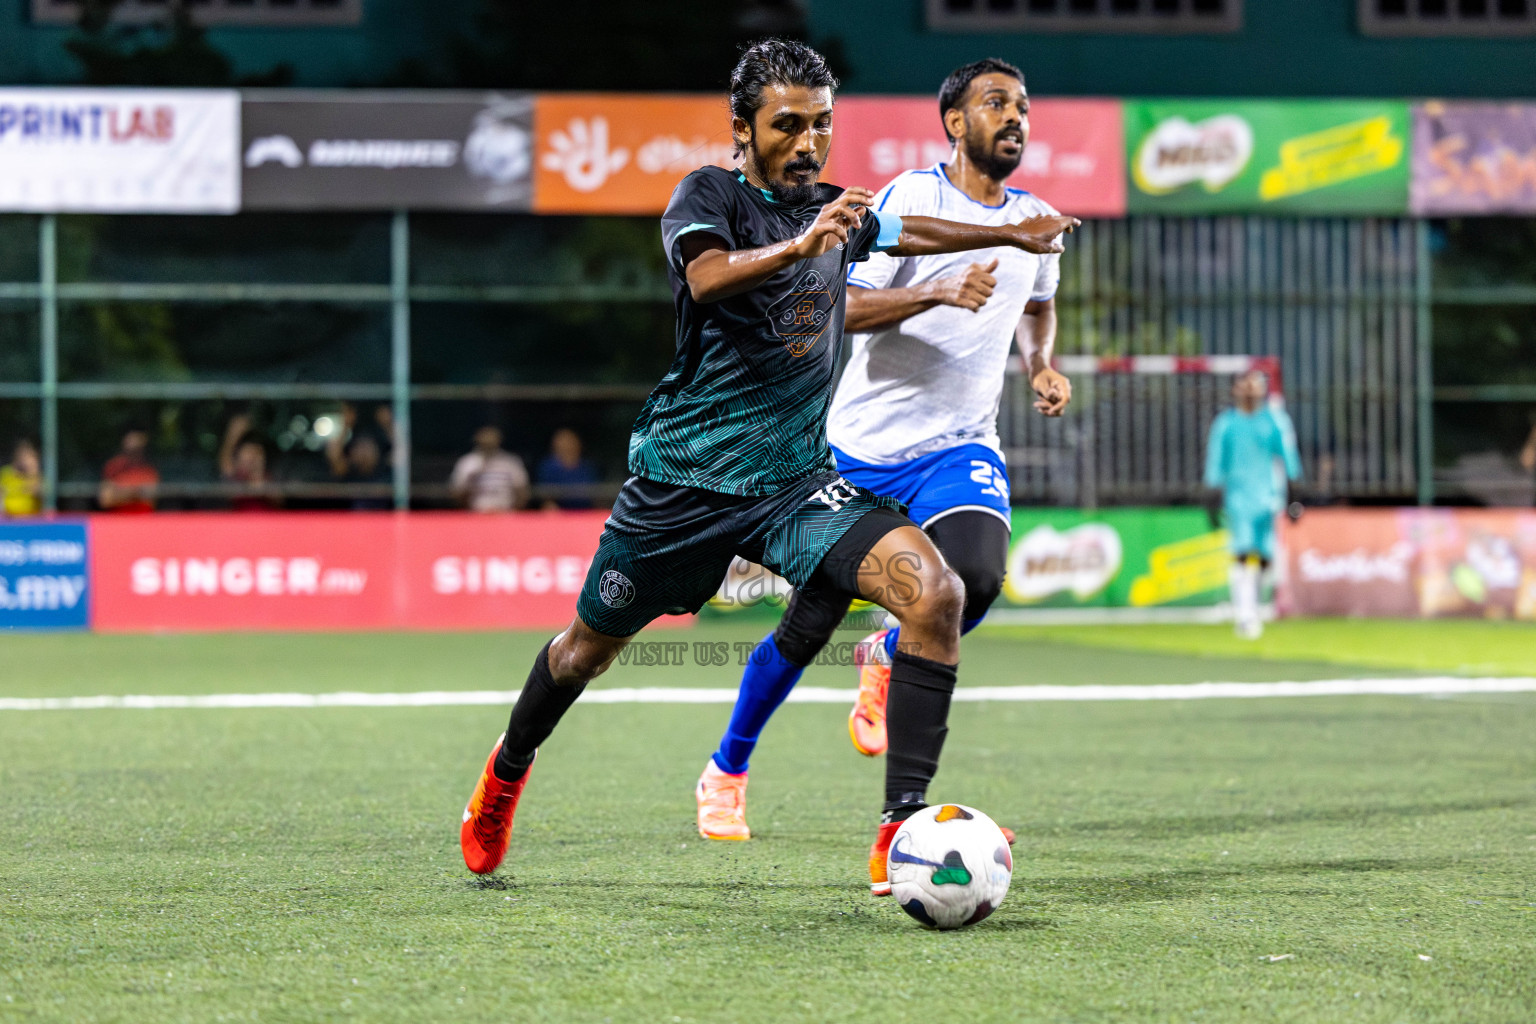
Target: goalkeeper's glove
1293,506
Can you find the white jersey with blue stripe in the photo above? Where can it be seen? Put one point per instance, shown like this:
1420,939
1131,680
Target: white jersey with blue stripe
934,381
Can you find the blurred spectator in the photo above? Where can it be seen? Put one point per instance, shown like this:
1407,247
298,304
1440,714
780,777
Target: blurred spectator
564,467
338,450
364,464
489,479
21,482
1528,453
128,481
243,461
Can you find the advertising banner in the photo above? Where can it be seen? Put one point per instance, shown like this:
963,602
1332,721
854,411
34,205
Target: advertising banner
384,151
1119,557
119,150
1075,158
44,580
339,571
615,153
1258,156
1473,158
1411,562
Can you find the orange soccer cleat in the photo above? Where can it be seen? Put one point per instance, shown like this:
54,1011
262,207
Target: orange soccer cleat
879,851
488,817
866,722
722,804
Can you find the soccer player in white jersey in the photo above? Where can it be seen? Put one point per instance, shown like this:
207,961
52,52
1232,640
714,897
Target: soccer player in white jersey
915,414
1250,455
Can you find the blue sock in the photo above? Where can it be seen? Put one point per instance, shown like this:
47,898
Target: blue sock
768,678
893,637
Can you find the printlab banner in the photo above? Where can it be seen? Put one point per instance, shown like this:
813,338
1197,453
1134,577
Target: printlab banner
339,571
119,150
1411,563
1255,156
1477,158
44,579
1120,558
1075,159
377,151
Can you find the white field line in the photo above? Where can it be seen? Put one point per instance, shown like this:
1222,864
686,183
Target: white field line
1425,686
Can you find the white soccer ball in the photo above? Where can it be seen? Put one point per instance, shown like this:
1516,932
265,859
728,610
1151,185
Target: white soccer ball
949,866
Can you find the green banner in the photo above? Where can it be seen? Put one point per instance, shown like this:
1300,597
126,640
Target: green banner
1262,156
1116,558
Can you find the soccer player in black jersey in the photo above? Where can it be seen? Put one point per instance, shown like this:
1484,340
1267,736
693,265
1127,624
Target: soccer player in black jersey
730,452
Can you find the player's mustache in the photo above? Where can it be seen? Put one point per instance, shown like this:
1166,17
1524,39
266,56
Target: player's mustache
805,164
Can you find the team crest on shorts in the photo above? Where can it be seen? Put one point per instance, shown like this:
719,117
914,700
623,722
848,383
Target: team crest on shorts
615,589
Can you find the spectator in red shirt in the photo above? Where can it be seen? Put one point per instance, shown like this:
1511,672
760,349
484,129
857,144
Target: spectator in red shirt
128,481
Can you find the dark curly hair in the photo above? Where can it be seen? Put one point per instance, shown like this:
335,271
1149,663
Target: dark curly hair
775,62
952,92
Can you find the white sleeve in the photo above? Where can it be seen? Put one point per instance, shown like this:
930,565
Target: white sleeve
519,472
1047,279
880,269
463,470
1048,276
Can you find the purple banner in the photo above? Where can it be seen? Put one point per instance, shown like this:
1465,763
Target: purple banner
1473,158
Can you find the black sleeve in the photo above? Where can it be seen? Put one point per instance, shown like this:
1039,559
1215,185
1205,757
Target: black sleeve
701,202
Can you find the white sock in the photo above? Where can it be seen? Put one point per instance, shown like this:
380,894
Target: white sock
1243,581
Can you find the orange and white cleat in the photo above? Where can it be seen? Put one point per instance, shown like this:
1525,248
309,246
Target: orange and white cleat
722,804
488,817
866,722
879,853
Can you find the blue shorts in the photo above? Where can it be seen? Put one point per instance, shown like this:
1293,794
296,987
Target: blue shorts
1252,533
969,478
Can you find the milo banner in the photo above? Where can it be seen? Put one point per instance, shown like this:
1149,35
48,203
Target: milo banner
1411,563
1255,156
1474,158
1116,558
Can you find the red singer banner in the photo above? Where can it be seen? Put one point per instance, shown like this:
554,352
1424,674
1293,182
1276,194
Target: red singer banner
1411,562
339,571
1075,159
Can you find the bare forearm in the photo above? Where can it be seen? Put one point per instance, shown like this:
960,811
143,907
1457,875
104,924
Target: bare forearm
1037,338
928,236
717,274
870,309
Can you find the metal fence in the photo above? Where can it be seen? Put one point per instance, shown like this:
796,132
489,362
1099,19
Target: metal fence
1341,303
1344,304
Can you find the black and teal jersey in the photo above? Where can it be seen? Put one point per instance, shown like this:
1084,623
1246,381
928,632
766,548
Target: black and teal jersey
743,408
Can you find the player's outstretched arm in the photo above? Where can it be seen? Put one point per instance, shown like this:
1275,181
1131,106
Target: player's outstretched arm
715,273
928,236
871,309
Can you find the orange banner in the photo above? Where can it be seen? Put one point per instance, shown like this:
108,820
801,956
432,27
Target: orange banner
1411,563
611,153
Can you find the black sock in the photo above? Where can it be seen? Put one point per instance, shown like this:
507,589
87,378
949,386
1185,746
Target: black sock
538,710
916,722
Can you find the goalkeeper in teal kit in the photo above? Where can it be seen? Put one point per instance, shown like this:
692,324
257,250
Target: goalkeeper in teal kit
1249,459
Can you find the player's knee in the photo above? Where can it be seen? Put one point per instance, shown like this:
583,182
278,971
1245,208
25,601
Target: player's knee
939,602
799,643
808,623
576,657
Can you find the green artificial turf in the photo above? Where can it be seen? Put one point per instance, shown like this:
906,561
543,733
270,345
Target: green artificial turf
1459,646
303,865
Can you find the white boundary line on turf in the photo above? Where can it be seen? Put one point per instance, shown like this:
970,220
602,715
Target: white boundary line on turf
1425,686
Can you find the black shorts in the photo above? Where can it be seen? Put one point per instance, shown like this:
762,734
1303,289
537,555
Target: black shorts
665,548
